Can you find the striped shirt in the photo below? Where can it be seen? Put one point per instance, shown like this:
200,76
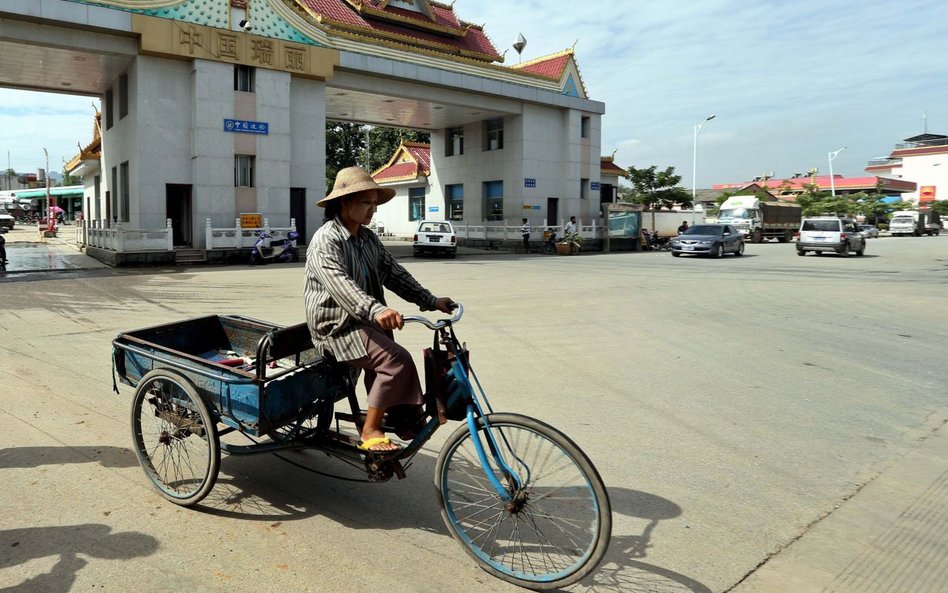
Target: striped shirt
345,276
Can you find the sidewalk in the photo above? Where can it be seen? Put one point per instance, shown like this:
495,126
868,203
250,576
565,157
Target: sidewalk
28,251
890,537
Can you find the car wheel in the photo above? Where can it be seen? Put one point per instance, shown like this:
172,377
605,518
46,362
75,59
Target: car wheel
844,250
675,254
740,249
800,252
862,249
717,251
819,253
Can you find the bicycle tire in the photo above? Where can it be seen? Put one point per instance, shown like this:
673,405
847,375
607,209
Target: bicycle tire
514,541
175,437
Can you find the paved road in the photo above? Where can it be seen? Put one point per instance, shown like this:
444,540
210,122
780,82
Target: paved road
749,415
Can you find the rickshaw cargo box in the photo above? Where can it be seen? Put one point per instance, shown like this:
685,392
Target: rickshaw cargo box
281,372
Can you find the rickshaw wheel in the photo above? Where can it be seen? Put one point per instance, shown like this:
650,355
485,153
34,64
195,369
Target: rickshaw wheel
175,437
555,528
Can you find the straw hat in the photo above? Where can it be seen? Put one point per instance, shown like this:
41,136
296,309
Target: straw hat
352,180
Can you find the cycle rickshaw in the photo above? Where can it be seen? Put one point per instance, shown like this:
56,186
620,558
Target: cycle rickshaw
520,497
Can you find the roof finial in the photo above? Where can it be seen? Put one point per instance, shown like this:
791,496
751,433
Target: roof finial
574,44
519,45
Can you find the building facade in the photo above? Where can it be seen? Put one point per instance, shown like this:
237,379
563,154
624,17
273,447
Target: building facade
921,159
212,109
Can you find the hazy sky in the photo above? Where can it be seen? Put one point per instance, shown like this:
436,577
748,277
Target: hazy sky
789,81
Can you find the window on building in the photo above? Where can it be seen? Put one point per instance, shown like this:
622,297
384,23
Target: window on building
416,203
454,194
108,109
124,214
243,78
494,134
123,95
583,189
493,200
243,170
584,123
454,142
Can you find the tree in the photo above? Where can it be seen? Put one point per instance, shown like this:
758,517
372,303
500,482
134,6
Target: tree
346,145
657,189
941,207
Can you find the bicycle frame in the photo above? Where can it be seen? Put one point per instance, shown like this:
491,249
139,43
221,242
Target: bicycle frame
461,369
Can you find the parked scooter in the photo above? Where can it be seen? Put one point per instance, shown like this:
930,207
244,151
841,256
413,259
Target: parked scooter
280,250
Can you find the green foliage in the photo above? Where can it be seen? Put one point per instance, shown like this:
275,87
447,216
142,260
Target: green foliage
346,145
865,203
657,189
941,207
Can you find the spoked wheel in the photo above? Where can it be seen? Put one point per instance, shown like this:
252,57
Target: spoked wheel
175,437
556,527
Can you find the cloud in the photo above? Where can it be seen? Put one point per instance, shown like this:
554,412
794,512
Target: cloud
788,81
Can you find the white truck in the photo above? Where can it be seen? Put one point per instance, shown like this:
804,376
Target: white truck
923,221
759,219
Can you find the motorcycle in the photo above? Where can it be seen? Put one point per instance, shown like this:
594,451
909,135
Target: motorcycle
281,250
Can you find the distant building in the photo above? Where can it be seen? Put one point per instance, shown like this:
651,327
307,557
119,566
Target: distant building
921,159
790,188
409,173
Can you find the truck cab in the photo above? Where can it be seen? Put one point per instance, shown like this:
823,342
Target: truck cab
759,219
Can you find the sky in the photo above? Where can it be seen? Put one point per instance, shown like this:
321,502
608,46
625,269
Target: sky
789,82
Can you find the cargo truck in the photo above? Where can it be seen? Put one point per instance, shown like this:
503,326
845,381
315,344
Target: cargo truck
923,221
759,219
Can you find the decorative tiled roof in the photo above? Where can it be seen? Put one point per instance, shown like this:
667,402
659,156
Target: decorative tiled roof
93,150
410,161
436,27
554,67
608,167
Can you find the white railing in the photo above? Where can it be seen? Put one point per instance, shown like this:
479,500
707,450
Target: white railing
501,231
114,237
237,238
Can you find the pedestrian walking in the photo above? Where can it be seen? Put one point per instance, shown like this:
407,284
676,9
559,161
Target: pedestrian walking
525,233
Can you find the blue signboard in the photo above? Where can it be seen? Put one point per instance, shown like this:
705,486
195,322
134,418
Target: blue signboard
594,186
529,182
246,127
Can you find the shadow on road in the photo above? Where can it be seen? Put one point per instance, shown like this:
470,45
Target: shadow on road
68,543
22,457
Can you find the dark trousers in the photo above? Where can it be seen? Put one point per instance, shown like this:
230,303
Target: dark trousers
526,242
390,375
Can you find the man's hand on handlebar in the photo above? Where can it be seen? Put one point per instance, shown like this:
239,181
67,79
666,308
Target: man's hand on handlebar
390,319
445,305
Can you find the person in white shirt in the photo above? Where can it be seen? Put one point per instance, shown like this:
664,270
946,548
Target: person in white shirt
571,226
525,232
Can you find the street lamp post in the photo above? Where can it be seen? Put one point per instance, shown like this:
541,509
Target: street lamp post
50,221
694,168
831,156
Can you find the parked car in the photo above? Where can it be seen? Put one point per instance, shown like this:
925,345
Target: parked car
709,239
6,220
435,236
830,233
868,231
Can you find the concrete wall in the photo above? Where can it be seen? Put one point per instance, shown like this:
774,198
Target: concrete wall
174,134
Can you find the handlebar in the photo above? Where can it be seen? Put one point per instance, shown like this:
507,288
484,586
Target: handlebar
436,324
